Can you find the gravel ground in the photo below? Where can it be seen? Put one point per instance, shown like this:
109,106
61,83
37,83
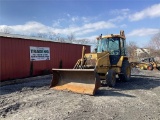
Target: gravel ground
138,99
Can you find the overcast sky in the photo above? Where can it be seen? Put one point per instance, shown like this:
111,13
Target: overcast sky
140,19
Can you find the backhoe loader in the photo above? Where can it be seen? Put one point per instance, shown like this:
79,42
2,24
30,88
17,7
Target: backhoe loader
146,63
97,68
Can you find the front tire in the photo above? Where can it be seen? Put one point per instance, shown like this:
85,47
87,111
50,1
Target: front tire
111,78
125,71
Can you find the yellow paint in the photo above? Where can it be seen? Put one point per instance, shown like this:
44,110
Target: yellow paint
119,64
115,35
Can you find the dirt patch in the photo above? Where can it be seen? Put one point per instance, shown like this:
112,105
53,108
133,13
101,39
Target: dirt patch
136,99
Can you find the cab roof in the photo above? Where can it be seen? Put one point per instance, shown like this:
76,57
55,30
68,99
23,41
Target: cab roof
121,35
116,35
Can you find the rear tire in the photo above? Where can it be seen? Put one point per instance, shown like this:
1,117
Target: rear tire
111,78
125,71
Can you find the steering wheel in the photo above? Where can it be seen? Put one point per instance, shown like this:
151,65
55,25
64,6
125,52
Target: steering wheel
114,52
111,52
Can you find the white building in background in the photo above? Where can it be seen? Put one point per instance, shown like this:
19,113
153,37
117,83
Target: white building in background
140,51
157,59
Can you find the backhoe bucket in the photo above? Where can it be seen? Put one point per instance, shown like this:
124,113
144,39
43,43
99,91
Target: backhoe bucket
84,81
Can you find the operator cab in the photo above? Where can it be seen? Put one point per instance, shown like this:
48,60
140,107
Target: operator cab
148,60
114,44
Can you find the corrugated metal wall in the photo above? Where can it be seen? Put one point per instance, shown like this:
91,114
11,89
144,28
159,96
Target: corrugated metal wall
15,57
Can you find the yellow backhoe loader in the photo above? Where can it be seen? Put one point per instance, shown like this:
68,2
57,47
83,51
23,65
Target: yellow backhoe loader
94,69
146,63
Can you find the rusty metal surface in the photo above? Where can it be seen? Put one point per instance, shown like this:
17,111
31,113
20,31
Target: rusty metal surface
84,81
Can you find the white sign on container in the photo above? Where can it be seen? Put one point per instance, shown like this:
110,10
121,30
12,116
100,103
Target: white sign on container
39,53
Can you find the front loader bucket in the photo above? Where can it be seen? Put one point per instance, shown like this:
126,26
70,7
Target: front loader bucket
84,81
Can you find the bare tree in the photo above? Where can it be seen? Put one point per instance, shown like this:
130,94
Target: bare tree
82,41
42,35
155,41
61,39
52,35
154,45
71,37
6,30
131,48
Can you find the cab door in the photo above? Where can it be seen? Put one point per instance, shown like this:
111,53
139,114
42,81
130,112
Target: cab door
114,49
